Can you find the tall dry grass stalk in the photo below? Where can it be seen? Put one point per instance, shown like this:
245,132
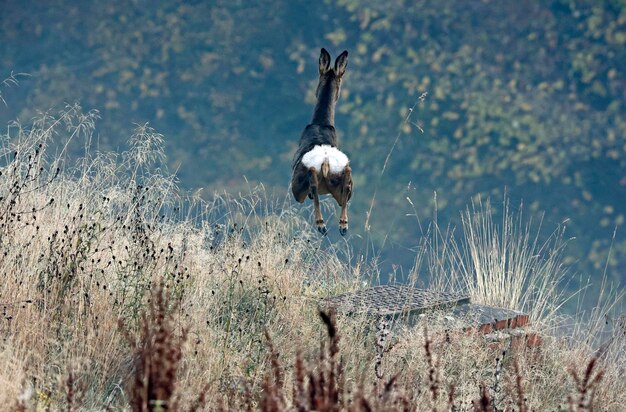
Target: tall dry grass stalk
507,262
10,81
84,246
511,265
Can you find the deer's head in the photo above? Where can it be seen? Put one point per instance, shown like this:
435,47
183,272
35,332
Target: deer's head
330,78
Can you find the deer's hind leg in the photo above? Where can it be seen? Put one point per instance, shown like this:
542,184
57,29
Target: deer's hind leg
346,193
314,186
300,183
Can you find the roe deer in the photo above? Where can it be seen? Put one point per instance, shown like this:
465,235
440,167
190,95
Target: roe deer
319,167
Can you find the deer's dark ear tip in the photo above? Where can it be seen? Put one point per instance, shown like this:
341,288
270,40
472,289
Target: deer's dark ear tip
324,51
345,52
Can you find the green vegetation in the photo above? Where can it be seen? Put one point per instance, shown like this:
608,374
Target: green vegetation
527,98
120,293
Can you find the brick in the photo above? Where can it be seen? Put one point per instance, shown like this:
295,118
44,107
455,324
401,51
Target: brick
485,328
533,340
521,320
501,324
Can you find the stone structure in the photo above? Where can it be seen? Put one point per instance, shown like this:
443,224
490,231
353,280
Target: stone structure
391,303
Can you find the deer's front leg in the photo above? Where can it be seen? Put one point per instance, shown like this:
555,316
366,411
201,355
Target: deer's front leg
319,220
343,221
346,192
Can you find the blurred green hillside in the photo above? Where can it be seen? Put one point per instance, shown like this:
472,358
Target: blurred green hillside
527,97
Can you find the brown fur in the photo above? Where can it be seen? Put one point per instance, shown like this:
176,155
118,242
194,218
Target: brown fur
311,182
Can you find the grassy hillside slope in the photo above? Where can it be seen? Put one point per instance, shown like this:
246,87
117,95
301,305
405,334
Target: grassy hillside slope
120,293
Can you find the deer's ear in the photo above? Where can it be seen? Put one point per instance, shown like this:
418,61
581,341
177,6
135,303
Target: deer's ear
341,63
324,61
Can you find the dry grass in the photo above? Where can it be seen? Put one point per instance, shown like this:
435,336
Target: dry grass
218,301
507,264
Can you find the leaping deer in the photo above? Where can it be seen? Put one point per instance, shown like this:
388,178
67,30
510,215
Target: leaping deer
319,167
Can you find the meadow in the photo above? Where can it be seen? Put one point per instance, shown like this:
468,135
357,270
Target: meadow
121,292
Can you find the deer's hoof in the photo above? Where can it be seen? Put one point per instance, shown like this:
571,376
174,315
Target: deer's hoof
322,229
343,227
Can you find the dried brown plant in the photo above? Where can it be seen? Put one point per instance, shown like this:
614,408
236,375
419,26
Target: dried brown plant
586,387
157,356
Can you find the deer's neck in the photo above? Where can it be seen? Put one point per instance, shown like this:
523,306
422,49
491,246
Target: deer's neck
324,113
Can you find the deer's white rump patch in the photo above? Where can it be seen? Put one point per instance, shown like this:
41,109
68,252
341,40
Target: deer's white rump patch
337,160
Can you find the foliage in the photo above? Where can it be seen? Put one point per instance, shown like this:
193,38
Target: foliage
521,96
527,97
